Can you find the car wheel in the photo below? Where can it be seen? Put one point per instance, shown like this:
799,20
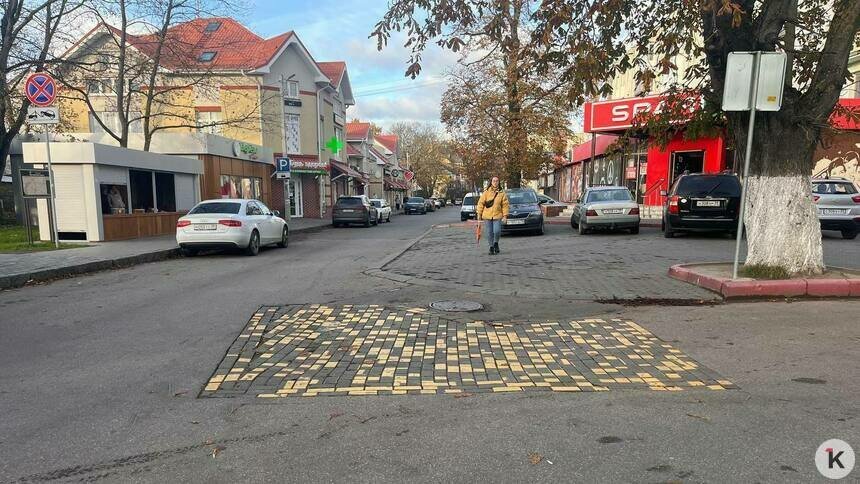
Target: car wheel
388,220
285,238
581,228
335,224
667,230
253,244
573,223
540,230
188,251
634,230
849,234
376,221
367,222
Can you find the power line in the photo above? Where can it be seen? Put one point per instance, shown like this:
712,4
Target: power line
397,89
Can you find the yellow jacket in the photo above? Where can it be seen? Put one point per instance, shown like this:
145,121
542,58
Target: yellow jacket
498,210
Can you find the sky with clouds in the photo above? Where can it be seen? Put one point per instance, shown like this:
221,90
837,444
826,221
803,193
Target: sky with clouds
338,30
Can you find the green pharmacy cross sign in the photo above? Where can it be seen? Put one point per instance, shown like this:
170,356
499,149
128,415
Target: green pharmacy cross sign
334,145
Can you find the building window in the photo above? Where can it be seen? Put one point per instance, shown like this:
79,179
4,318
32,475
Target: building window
292,129
141,190
241,187
111,121
291,90
212,26
99,87
165,192
206,56
208,122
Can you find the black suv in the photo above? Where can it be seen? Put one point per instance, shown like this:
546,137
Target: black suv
415,205
702,203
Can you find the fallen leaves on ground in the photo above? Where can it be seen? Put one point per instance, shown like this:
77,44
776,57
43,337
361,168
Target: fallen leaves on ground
217,450
535,458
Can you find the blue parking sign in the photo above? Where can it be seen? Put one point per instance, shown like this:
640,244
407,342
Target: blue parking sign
283,165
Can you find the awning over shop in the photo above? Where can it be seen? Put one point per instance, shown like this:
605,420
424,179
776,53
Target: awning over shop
395,184
582,151
348,171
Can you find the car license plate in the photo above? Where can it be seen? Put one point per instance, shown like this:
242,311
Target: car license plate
515,222
348,210
613,211
205,226
708,203
832,211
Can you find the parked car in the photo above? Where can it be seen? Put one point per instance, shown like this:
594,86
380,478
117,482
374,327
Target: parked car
610,207
231,223
437,203
458,201
415,205
838,205
443,202
545,200
525,214
430,204
383,209
468,207
702,203
354,210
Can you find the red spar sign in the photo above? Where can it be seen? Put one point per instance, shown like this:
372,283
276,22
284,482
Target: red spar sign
620,114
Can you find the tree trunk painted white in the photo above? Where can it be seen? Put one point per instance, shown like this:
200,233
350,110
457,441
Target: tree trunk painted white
781,224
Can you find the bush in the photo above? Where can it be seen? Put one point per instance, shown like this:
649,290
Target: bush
761,271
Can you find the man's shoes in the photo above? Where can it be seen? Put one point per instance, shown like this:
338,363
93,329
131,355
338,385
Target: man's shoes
496,247
492,250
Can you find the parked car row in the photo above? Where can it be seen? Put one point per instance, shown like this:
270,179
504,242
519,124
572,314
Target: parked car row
360,209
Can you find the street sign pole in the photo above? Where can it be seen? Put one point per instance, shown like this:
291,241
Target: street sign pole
54,223
750,130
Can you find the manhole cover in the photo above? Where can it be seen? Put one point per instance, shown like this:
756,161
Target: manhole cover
457,306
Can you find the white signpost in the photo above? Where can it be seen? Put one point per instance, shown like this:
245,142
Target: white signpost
41,90
754,82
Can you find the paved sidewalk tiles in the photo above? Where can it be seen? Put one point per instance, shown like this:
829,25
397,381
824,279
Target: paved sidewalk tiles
321,350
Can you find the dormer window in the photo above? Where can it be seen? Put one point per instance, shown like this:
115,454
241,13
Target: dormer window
206,56
212,26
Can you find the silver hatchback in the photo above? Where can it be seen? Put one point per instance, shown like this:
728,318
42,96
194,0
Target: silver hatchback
837,202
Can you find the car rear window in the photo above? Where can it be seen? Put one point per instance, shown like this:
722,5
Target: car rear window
376,203
216,207
833,188
469,201
414,200
348,202
715,186
621,195
521,197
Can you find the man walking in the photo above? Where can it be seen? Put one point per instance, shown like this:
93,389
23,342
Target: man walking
493,209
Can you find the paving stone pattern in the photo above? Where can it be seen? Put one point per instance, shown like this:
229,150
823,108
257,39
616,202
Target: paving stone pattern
564,264
347,350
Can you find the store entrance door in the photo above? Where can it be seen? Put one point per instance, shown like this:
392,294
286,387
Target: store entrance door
296,205
687,161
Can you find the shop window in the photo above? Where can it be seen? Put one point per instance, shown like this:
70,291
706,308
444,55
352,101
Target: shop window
165,192
114,198
141,190
241,187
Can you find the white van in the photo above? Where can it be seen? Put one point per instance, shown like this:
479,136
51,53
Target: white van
468,209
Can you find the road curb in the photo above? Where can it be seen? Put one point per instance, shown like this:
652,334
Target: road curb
20,280
744,288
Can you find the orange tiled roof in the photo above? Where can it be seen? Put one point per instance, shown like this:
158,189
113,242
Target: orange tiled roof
234,45
333,70
357,131
387,140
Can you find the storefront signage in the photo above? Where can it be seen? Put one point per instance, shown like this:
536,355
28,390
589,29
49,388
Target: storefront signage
283,167
408,175
245,150
309,166
620,114
630,173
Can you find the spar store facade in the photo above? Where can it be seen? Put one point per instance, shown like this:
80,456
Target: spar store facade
645,167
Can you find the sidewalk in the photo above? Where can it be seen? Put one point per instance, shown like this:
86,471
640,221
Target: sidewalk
18,269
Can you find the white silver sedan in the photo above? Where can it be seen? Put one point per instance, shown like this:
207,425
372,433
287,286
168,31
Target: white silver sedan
231,223
606,208
383,209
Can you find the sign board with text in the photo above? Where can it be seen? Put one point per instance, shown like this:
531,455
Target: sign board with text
35,184
617,115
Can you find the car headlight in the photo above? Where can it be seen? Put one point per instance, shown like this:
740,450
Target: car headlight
535,213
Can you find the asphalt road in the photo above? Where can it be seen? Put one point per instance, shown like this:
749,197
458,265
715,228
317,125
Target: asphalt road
100,377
